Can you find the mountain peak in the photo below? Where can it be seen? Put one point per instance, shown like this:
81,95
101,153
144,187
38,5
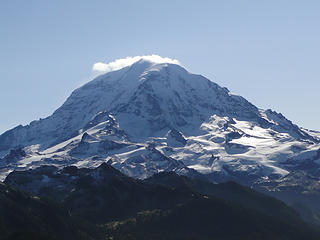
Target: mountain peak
149,99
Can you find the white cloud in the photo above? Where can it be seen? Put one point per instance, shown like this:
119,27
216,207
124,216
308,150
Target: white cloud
101,67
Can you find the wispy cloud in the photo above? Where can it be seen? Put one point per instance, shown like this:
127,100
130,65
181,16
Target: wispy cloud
101,67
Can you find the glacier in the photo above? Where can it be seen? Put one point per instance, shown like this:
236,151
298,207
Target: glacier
150,117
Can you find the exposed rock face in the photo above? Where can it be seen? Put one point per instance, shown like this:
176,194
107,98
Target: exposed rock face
176,139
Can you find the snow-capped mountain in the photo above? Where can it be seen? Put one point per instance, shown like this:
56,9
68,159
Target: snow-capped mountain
150,117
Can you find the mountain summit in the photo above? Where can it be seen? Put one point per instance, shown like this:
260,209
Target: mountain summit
147,98
153,116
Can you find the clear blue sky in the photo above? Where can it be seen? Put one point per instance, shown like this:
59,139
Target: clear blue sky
266,51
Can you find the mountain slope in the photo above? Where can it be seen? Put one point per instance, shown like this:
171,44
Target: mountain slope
143,90
28,217
164,206
205,219
153,117
143,103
